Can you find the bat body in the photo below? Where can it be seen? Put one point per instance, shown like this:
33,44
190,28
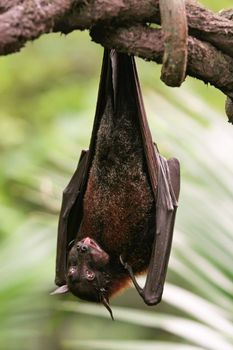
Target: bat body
118,210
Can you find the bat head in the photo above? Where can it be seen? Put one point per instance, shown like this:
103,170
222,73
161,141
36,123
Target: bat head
87,276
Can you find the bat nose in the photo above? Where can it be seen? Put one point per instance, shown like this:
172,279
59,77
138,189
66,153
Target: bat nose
85,244
82,247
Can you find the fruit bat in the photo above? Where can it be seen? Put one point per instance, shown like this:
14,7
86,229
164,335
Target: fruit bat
119,208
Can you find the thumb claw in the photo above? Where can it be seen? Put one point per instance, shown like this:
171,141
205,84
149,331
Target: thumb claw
121,260
125,265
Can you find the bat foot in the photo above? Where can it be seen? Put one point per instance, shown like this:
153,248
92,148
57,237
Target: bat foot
127,267
131,274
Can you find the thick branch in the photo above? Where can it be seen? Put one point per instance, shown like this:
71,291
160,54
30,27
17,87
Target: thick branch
27,19
24,20
124,11
148,43
207,26
202,22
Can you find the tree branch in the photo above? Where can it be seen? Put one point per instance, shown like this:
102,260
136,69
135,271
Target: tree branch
148,43
203,23
26,20
210,40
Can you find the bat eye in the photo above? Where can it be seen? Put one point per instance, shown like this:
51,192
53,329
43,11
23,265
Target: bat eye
90,275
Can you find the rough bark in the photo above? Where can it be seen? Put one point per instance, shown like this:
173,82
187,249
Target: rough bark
16,22
123,24
24,20
148,42
206,25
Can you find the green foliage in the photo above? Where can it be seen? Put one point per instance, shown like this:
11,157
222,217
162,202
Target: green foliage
48,94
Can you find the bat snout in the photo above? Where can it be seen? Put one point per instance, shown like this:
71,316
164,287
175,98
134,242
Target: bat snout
83,248
84,245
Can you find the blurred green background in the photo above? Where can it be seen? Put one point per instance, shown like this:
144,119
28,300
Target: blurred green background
47,104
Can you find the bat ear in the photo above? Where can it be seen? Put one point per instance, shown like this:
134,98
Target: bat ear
106,304
61,290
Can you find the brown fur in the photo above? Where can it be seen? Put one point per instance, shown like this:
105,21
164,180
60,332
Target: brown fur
118,202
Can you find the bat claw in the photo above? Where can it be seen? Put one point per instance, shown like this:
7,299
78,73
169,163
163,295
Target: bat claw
125,264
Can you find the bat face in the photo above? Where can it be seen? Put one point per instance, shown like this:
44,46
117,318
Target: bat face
86,272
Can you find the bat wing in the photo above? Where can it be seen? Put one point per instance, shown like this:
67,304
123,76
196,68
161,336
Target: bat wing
73,194
166,205
165,183
72,203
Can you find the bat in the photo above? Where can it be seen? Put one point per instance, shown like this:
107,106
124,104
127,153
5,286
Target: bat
118,210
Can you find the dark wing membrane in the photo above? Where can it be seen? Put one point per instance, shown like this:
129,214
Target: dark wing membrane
166,205
72,202
165,182
72,194
164,179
